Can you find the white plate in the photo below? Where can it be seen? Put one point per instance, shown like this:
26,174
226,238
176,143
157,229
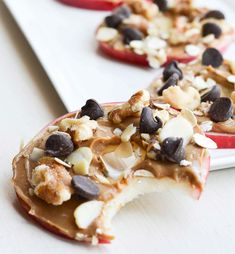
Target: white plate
63,40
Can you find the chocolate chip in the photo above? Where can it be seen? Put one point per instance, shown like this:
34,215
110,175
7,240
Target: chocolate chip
215,14
124,11
84,187
59,145
221,110
171,68
162,5
172,149
211,28
213,57
212,94
92,109
148,123
131,34
113,20
172,81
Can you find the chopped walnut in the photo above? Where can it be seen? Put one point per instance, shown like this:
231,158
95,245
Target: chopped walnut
52,183
83,127
144,8
133,107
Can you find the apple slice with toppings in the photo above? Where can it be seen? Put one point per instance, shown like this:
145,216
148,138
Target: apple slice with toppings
135,36
207,88
76,174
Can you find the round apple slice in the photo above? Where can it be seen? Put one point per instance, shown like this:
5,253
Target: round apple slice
137,38
127,55
124,165
102,5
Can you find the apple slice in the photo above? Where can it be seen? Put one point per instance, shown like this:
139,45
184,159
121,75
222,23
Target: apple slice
102,5
90,221
129,56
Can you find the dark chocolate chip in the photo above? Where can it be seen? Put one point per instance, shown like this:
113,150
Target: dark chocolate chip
211,95
213,57
162,5
59,145
221,110
172,81
171,68
124,11
131,34
92,109
84,187
172,149
148,123
215,14
113,20
211,28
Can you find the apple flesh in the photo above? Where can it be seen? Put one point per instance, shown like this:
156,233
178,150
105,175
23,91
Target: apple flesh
101,5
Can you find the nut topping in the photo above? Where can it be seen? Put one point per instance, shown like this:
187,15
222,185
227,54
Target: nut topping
83,127
87,212
180,98
52,183
133,107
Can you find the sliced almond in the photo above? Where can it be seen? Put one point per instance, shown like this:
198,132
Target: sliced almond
106,34
81,159
162,105
62,163
177,127
188,115
192,50
36,154
185,163
128,132
204,142
117,132
87,212
206,126
120,160
231,78
143,173
162,114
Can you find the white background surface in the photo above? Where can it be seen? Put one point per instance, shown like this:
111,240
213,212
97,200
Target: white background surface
163,223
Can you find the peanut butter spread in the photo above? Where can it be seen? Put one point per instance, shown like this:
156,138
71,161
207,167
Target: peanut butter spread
179,31
78,171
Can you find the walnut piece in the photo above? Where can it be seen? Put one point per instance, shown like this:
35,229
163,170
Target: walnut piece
144,8
52,183
83,127
133,107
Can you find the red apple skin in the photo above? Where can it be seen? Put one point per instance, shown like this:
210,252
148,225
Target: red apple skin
100,5
55,230
222,140
133,58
